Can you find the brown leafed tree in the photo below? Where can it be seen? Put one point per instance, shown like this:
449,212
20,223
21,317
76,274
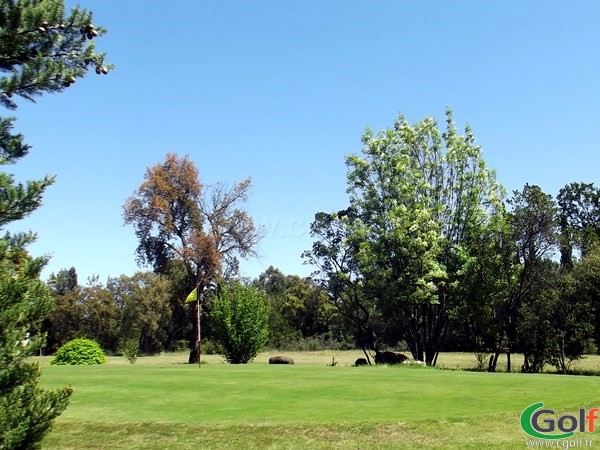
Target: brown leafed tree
177,218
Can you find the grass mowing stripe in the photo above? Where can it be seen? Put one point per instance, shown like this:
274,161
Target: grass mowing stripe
473,433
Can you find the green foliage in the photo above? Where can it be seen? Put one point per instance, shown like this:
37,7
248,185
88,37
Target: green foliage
579,219
130,348
26,411
298,307
79,352
41,50
127,307
44,50
209,347
143,302
416,196
17,200
65,281
240,322
488,276
333,253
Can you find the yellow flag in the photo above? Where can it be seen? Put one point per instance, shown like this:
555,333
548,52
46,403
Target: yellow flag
193,296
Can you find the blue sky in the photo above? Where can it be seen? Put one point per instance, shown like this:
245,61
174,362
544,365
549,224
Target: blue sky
282,91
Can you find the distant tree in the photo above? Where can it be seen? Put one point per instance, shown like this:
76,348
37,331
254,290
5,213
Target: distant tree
583,305
101,316
240,322
274,284
42,50
63,282
334,254
144,303
489,274
535,291
307,306
176,218
299,307
86,311
579,219
66,321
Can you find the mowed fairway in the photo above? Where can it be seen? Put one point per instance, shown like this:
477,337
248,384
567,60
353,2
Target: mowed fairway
161,403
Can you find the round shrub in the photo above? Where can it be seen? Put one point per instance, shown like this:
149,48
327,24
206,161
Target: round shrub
79,352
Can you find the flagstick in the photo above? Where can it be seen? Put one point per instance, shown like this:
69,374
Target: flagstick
199,296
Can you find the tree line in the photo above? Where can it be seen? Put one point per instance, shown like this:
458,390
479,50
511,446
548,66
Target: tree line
430,254
148,309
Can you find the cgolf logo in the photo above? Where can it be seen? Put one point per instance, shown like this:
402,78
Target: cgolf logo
541,423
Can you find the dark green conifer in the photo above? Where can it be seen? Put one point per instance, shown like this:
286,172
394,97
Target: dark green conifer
42,50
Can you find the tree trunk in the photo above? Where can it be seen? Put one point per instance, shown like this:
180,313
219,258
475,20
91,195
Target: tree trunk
493,362
563,357
364,349
194,352
508,368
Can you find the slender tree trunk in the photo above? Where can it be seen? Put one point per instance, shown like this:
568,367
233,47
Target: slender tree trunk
195,349
493,362
435,359
364,349
563,358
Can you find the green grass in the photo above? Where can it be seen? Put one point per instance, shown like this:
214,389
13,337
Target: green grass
162,403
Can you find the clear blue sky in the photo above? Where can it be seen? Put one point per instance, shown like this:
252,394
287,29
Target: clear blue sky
282,90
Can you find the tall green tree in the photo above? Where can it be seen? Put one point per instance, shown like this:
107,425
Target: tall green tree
417,193
535,296
42,50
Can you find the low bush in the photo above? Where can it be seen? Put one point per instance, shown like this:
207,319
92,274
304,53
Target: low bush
79,352
130,348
